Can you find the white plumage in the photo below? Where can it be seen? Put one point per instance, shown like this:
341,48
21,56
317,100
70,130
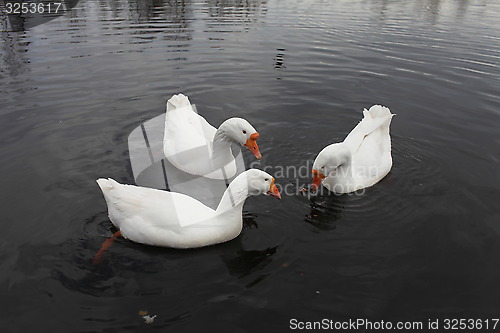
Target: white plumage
170,219
362,159
192,145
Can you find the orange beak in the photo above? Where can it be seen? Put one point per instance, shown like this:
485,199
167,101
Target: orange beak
251,144
317,179
273,190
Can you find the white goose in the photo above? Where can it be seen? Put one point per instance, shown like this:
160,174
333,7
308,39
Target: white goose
170,219
361,160
193,145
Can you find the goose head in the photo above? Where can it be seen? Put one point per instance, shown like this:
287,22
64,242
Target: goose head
260,182
327,162
240,130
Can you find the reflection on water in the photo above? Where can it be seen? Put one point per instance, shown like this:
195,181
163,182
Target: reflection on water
103,279
325,211
424,241
233,16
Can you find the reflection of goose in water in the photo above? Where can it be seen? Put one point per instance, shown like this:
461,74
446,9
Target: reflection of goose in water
130,267
192,145
242,263
324,211
169,219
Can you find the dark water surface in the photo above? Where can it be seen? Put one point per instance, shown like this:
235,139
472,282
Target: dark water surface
422,244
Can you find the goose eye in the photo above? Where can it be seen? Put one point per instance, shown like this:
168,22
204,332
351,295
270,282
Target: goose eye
244,132
323,167
266,179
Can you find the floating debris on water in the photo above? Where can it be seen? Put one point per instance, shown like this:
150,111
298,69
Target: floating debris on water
149,319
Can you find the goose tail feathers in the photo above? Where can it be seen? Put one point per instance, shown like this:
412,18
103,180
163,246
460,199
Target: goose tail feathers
378,111
107,185
177,102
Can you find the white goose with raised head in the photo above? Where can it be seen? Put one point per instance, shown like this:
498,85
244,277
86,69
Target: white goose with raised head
161,218
192,145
